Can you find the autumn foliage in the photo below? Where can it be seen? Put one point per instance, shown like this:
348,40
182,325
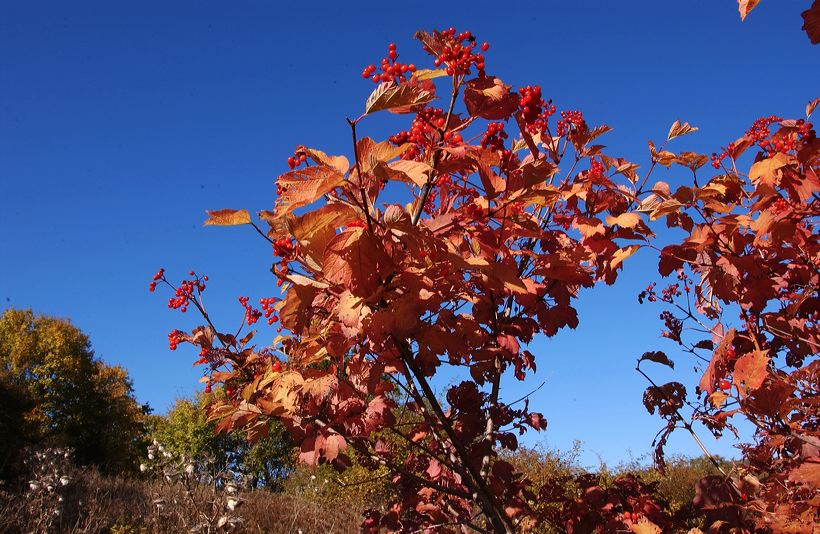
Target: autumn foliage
455,242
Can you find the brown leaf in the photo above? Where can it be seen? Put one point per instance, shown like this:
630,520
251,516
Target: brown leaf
304,186
807,473
489,98
400,98
228,217
811,22
745,6
657,357
679,129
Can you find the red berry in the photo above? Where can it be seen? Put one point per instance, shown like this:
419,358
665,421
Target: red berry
276,366
725,384
485,46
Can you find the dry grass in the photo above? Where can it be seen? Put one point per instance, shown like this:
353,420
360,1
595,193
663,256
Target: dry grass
93,503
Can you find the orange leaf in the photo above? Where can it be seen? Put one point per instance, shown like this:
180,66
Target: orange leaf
489,98
400,98
304,186
228,217
745,6
751,370
625,220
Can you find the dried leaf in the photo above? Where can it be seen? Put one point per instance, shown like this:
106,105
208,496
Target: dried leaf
657,357
228,217
811,22
679,129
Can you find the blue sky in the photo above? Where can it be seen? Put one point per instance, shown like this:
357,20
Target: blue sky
120,124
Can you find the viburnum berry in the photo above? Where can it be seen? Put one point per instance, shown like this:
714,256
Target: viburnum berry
392,70
571,121
175,337
724,384
299,156
276,366
457,54
251,314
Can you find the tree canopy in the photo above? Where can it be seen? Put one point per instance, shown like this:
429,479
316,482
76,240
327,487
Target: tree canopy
64,395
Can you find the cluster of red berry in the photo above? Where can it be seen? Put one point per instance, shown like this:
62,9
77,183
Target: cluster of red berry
669,294
779,206
632,517
571,120
175,337
718,159
270,311
285,248
298,157
760,129
392,70
157,277
185,292
596,168
458,54
534,111
251,314
427,121
494,136
779,144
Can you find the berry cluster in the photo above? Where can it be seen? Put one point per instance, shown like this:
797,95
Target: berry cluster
571,121
534,111
175,337
727,152
392,70
779,144
185,292
669,294
270,311
298,157
596,168
427,121
779,206
458,55
494,136
157,277
251,314
285,248
760,129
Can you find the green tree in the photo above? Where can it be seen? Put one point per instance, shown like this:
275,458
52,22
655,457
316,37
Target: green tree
186,430
73,399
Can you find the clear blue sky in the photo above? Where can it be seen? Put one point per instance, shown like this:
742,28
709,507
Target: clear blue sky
120,125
